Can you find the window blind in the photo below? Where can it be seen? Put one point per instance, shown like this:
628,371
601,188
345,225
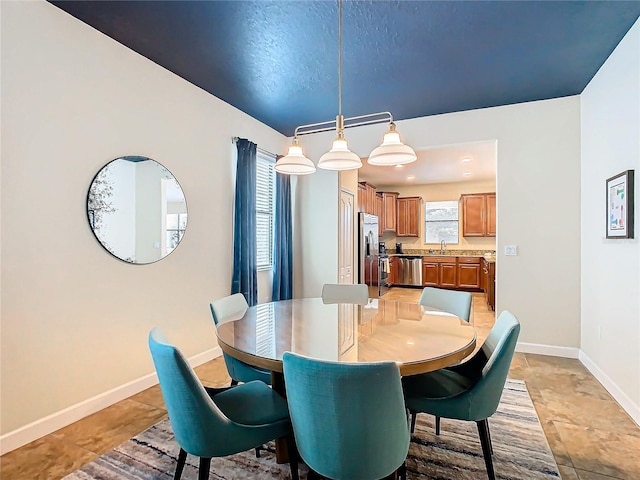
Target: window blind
265,203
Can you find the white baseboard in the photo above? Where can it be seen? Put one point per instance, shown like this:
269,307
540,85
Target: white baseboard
44,426
616,392
551,350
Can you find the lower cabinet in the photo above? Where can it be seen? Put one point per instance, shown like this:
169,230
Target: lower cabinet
489,283
393,270
469,272
439,272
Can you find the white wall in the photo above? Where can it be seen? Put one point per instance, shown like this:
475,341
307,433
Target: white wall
610,308
74,319
538,208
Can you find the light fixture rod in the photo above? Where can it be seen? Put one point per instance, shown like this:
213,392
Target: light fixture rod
339,57
348,122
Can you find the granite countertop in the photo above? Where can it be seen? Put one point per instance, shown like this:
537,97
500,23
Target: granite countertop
447,253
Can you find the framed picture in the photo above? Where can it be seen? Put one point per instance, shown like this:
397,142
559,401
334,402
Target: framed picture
620,205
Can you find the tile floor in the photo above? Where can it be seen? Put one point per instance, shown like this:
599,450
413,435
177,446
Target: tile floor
591,437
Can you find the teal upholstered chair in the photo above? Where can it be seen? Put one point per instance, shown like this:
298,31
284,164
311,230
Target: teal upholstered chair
227,309
451,301
216,422
349,419
345,293
470,390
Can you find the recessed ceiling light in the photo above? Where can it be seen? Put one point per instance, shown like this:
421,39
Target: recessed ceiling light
399,166
411,177
467,173
466,160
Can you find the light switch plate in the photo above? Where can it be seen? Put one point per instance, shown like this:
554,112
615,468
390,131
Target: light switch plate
511,250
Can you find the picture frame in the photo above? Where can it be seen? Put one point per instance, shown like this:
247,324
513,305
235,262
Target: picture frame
620,201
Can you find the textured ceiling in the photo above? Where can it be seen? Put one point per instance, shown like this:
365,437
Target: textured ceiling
277,60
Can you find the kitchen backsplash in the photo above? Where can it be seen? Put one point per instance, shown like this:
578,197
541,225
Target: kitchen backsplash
436,251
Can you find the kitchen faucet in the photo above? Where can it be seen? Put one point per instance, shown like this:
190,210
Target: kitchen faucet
443,246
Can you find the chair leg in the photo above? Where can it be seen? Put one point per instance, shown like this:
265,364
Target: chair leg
293,457
413,421
437,425
205,466
257,452
402,471
483,431
489,435
182,459
313,475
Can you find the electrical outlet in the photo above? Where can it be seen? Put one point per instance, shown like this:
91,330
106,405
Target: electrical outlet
511,250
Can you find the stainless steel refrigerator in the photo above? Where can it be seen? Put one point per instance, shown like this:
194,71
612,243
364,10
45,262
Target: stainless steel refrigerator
368,252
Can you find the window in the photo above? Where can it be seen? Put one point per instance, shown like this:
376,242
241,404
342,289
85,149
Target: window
441,221
176,225
265,209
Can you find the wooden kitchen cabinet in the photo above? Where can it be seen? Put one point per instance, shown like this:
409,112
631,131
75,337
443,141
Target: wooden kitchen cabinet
408,220
380,213
367,198
491,214
393,270
479,215
390,211
439,272
469,270
362,197
489,282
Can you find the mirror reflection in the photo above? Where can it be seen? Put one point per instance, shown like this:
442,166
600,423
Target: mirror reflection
136,209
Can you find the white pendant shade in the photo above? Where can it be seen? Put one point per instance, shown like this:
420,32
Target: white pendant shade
294,162
339,157
392,151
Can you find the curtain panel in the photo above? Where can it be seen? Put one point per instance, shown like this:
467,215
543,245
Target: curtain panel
245,272
282,241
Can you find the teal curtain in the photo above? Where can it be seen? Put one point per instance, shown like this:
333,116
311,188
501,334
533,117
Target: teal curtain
282,241
245,271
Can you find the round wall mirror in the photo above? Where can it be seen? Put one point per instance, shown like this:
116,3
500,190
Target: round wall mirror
136,209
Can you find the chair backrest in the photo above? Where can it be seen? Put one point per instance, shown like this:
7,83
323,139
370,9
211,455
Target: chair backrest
193,415
226,307
345,293
498,350
451,301
349,419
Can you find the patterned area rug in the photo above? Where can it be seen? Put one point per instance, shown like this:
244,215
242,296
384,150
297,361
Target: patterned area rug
520,450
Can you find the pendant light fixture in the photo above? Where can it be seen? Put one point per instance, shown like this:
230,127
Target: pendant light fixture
339,157
294,162
391,152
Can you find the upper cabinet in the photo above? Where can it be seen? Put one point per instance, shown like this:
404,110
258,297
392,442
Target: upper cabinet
389,217
408,220
479,215
367,198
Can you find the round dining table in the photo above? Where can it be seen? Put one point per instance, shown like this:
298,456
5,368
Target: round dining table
417,338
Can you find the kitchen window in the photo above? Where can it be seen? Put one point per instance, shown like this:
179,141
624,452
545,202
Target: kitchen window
265,209
441,221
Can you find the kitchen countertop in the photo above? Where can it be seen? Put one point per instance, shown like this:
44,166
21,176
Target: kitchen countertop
449,253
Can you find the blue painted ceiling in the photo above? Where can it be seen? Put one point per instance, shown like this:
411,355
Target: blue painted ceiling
277,60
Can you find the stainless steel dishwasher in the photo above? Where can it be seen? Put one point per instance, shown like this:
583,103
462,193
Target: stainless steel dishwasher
410,271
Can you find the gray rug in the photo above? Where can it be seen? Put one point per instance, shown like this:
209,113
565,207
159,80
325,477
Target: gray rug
520,449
